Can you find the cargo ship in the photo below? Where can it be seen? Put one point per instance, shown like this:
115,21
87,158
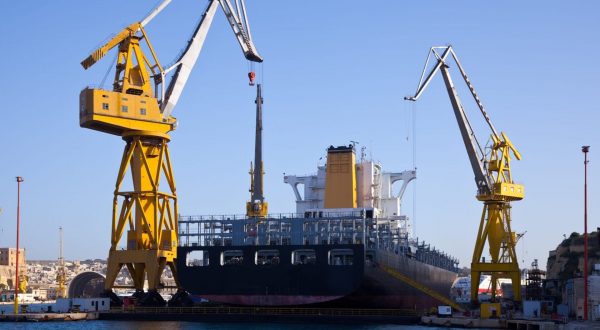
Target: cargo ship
347,245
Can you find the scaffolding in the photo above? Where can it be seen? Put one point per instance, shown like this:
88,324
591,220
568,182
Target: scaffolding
533,282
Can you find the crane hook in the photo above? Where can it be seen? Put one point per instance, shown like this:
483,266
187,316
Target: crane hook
251,76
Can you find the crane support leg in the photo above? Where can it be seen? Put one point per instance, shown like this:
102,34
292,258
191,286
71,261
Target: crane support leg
148,214
495,229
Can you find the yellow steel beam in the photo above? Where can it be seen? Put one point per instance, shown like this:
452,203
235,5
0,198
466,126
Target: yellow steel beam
148,212
428,291
99,53
495,267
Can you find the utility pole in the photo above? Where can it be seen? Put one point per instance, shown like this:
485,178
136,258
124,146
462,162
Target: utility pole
585,150
17,282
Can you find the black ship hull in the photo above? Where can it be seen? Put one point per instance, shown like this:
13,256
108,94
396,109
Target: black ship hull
379,289
285,283
338,276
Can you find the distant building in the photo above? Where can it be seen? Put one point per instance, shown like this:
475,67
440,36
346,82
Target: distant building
8,257
52,292
23,297
8,260
40,294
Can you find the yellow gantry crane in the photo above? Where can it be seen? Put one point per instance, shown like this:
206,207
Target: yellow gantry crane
139,108
495,186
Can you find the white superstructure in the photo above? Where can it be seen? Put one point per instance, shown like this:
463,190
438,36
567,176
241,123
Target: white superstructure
374,191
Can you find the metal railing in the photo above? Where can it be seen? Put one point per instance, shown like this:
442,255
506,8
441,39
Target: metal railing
224,217
310,228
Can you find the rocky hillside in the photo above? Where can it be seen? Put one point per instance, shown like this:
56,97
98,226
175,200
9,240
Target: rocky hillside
567,260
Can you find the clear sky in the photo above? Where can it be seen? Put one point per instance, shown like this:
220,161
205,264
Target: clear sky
334,71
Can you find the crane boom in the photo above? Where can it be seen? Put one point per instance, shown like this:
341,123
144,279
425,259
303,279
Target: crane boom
241,28
155,12
482,180
99,53
185,62
129,31
474,150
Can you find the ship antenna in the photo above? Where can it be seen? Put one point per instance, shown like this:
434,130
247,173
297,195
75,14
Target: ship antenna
363,154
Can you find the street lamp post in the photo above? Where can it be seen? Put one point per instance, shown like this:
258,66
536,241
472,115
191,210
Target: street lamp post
585,150
19,180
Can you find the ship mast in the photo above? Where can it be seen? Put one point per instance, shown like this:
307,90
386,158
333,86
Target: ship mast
257,207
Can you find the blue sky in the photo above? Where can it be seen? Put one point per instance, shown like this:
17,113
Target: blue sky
334,71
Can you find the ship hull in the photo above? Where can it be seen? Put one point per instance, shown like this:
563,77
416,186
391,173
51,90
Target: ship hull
283,284
379,289
363,284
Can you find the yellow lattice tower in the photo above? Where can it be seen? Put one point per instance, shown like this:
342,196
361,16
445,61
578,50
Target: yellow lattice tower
495,223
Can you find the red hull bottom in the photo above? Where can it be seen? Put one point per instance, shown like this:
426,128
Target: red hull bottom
268,300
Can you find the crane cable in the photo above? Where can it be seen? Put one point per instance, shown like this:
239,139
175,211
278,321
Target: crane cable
112,64
252,72
414,164
409,118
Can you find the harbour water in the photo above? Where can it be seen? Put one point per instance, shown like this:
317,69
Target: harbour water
135,325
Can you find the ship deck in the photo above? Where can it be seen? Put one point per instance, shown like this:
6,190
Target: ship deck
311,228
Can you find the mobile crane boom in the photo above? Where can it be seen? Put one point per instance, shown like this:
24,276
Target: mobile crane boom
493,178
257,206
